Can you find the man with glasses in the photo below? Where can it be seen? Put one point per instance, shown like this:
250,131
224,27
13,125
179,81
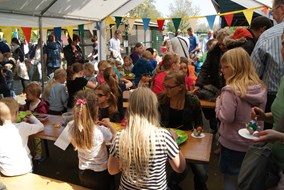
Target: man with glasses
267,57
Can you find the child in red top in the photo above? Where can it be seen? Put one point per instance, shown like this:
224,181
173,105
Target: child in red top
185,69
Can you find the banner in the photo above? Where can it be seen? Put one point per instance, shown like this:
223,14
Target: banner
229,19
211,20
160,24
146,22
7,34
27,33
176,22
57,32
70,31
248,14
118,21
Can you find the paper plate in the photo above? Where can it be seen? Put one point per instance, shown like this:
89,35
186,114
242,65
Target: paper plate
245,133
41,117
22,115
202,135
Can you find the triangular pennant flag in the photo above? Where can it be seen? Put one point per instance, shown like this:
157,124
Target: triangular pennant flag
57,32
98,26
264,10
81,30
27,33
176,22
70,31
91,27
109,20
146,22
211,20
130,23
248,14
229,19
160,24
193,22
118,21
8,34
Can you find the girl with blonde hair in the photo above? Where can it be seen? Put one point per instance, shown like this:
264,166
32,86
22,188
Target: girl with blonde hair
243,91
56,93
90,140
107,103
142,149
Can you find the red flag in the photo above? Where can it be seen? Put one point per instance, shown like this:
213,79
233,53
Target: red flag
264,10
229,19
27,32
160,24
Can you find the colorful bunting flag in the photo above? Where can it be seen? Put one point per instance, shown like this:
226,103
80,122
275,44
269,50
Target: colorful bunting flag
211,20
229,19
81,30
8,34
146,22
98,26
248,14
70,31
265,10
192,23
176,22
118,21
57,32
130,23
44,35
27,33
91,27
160,24
109,20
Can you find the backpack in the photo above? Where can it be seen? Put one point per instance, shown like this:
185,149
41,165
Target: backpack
53,55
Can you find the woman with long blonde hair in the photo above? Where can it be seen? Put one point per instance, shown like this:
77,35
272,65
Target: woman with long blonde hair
90,140
143,148
243,91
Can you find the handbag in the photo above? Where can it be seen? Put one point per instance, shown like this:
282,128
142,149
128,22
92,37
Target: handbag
258,171
208,93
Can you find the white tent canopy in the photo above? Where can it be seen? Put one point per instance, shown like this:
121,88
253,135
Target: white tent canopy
25,13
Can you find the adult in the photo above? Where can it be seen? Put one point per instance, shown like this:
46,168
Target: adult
205,40
266,57
4,48
51,55
211,73
114,46
143,149
95,47
180,45
194,45
137,52
179,109
35,71
247,38
73,52
4,89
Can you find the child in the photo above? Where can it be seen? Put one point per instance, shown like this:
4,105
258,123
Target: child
76,82
117,88
107,103
56,93
14,154
243,90
102,65
89,72
184,68
90,140
128,65
149,146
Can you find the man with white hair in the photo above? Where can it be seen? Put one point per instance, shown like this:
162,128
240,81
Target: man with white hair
205,40
266,55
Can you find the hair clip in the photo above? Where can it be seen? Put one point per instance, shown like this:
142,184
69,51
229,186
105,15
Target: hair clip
81,101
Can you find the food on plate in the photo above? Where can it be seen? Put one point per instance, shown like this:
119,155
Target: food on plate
197,131
56,125
252,126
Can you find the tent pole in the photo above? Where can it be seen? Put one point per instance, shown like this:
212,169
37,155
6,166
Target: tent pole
41,52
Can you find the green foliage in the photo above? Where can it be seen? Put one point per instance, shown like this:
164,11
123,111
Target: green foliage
181,9
145,10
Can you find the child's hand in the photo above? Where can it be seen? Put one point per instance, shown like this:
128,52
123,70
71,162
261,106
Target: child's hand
257,114
106,122
174,134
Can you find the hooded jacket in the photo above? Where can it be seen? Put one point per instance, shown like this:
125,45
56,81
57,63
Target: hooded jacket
234,113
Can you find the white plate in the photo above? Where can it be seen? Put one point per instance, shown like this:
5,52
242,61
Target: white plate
245,133
202,135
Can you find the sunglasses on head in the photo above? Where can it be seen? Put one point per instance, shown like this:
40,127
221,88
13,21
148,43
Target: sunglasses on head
101,95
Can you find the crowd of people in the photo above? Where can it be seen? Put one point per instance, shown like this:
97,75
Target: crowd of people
246,66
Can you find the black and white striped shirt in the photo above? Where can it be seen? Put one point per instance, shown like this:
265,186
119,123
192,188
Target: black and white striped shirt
166,148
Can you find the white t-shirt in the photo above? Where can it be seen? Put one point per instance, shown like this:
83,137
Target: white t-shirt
27,129
14,159
96,158
114,44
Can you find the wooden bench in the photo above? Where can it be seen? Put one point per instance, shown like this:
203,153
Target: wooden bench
33,181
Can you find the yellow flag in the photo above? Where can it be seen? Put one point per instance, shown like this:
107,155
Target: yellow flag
109,20
248,14
70,31
8,34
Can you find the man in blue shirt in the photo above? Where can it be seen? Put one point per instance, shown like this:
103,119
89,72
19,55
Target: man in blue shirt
193,41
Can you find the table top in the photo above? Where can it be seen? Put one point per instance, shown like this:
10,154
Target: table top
204,104
51,130
197,150
36,182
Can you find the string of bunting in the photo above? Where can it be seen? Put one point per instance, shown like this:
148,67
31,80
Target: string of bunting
248,13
